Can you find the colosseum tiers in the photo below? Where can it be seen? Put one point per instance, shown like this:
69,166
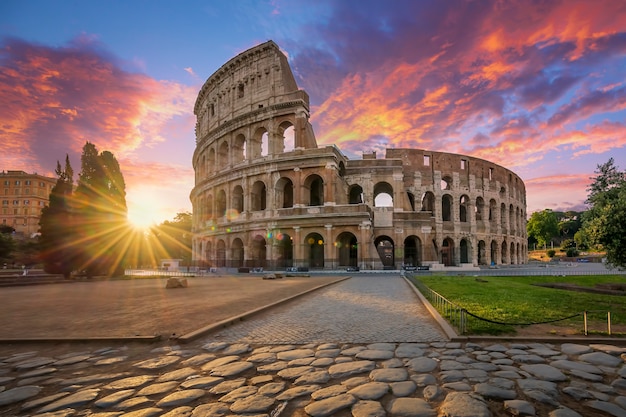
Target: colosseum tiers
266,196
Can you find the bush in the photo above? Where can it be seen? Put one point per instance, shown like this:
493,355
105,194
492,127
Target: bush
551,253
572,252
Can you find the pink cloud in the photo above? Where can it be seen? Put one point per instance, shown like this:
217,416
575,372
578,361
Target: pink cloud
53,100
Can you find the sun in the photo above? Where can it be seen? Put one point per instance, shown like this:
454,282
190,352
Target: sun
140,219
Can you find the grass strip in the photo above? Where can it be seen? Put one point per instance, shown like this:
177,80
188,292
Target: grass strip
519,300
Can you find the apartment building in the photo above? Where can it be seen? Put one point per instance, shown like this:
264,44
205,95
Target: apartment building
23,197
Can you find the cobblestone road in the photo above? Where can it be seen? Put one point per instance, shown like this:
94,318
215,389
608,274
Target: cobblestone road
363,309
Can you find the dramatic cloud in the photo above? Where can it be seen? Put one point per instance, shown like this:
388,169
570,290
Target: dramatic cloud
506,81
53,100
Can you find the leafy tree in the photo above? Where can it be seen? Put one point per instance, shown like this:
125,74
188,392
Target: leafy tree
55,243
542,226
605,221
174,237
7,244
100,226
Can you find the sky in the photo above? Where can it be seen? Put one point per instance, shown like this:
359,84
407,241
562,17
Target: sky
538,87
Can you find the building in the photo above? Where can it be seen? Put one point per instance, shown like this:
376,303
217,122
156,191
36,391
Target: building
267,196
23,198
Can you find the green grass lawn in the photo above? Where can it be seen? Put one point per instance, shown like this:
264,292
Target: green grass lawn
517,300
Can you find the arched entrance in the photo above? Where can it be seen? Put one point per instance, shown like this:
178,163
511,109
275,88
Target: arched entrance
466,251
482,253
237,253
314,244
447,252
347,249
386,251
283,245
258,253
412,251
220,255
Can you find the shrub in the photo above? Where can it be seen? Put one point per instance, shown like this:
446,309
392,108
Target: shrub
551,253
571,252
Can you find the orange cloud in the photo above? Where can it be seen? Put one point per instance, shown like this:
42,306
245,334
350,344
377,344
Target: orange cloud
53,100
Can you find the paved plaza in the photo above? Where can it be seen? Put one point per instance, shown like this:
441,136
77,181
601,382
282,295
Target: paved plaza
364,346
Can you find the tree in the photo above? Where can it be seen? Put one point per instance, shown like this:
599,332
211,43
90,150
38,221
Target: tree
7,244
604,223
542,226
55,242
100,226
174,237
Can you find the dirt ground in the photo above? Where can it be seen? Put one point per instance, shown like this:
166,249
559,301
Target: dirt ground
138,307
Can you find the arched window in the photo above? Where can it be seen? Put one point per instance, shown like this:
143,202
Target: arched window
480,207
446,208
289,137
223,155
221,203
347,249
314,243
428,201
356,194
259,196
284,193
463,208
315,185
237,204
237,253
383,195
239,149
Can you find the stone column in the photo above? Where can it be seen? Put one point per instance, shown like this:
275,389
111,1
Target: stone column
329,256
298,253
329,185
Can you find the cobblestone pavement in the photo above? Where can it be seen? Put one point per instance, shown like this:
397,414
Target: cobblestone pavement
367,308
395,377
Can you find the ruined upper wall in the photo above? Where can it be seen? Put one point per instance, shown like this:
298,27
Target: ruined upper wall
257,78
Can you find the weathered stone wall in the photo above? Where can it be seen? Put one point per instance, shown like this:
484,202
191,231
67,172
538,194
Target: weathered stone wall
260,201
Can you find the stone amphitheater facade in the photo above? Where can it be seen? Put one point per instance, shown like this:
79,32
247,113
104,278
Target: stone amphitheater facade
266,196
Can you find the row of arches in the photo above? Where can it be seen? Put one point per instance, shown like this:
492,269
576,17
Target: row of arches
231,151
278,251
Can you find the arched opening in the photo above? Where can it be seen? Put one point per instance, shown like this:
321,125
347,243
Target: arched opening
223,155
258,196
412,251
428,201
203,167
283,243
347,249
411,197
284,193
265,144
383,195
446,207
446,183
259,143
239,149
494,253
356,194
237,253
221,203
482,253
315,185
386,251
466,255
208,254
463,208
511,220
503,218
314,243
513,254
480,208
208,209
237,201
211,161
505,257
493,206
220,254
258,252
447,252
289,137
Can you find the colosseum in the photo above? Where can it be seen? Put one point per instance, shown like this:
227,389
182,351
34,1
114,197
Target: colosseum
266,196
